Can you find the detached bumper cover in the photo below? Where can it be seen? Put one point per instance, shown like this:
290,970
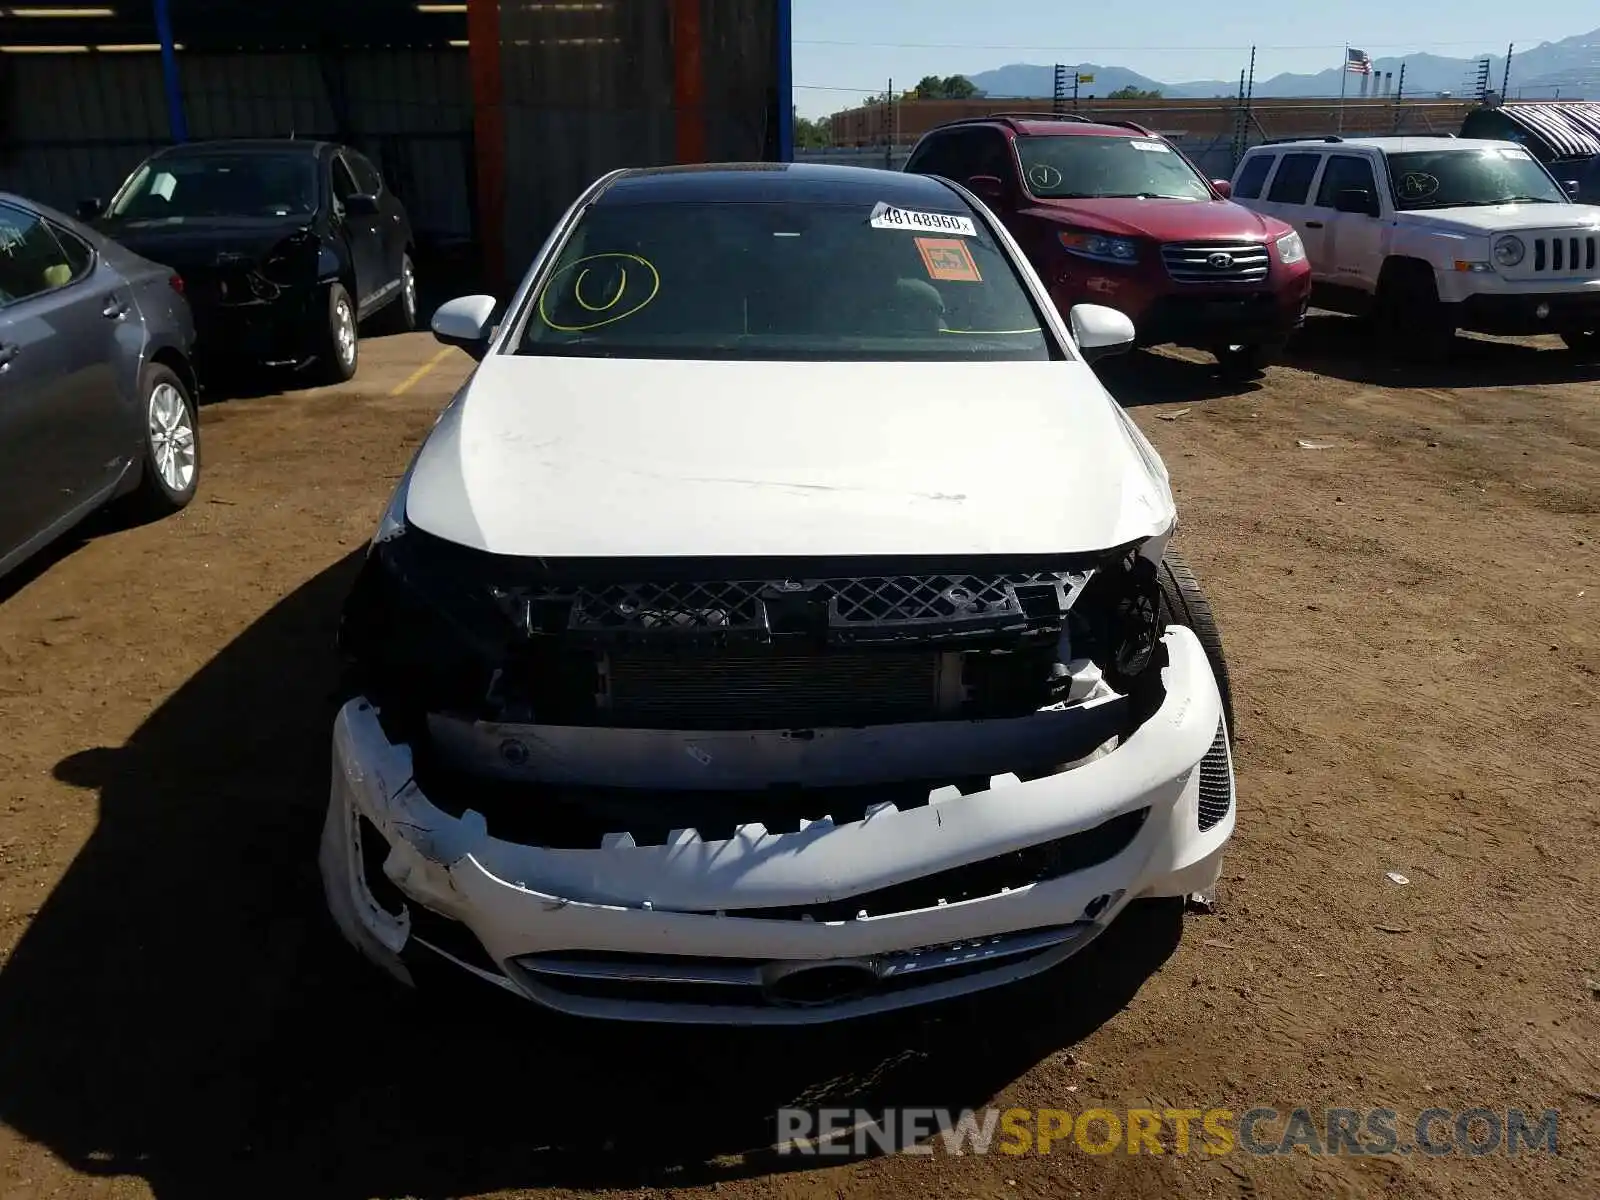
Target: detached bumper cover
554,927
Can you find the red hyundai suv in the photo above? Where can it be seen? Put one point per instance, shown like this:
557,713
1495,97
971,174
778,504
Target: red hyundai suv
1112,213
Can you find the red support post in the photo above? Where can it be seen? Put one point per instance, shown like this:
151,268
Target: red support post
688,81
489,135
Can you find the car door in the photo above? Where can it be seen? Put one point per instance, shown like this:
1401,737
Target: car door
391,214
63,432
1349,249
1251,178
1289,190
362,235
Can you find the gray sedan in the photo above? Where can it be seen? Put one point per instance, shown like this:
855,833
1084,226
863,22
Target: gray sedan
97,395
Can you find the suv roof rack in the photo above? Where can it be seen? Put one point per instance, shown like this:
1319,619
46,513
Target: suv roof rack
1360,137
1012,117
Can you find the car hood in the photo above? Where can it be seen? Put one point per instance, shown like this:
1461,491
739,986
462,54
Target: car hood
1504,218
558,457
188,242
1165,220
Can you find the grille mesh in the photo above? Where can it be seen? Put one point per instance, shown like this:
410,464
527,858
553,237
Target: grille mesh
1216,781
857,602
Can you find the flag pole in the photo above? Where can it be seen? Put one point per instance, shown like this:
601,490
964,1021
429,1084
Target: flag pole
1344,79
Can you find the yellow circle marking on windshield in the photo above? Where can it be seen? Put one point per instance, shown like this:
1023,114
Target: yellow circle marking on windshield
622,286
611,305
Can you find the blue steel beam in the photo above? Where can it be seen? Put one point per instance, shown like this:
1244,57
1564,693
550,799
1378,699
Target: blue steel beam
784,34
169,72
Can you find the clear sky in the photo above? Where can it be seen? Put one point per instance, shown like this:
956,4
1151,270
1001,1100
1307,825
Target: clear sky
846,49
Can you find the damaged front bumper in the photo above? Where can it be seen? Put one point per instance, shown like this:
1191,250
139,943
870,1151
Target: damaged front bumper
763,927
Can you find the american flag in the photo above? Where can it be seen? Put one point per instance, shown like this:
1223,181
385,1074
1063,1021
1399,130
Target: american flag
1357,61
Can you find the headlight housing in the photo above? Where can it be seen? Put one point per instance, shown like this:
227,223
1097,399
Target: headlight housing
1291,249
1509,250
1100,247
1117,619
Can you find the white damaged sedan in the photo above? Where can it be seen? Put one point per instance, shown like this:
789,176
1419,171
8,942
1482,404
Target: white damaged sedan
777,627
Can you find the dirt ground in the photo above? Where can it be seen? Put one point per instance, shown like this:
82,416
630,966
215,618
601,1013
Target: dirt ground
1406,570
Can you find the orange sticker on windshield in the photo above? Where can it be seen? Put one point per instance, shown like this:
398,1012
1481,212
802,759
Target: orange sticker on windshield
948,258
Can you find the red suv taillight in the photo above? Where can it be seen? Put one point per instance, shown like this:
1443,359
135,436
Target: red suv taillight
177,283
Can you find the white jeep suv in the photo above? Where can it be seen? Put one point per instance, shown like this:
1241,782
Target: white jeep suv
1435,234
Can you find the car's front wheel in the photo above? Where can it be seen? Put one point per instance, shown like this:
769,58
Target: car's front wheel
339,350
1584,343
171,467
1183,603
1410,317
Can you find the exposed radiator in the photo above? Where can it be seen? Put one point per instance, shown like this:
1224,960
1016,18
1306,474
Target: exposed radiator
773,690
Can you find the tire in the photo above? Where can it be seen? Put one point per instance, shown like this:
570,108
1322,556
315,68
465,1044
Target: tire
1241,362
1183,603
1584,343
339,348
1412,322
401,314
170,470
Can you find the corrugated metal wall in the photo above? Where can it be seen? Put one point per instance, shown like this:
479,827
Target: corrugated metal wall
588,88
76,124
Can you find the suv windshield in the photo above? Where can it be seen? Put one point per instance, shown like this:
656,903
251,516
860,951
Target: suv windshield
1082,167
1467,178
250,184
781,281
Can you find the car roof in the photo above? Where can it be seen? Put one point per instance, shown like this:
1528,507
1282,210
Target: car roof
244,146
805,183
1052,125
1409,144
43,210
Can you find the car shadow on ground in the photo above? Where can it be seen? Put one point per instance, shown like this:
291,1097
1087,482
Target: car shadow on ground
1142,378
117,516
1347,348
179,1008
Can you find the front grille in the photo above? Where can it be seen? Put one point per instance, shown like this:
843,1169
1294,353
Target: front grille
222,284
1216,781
848,609
748,984
1565,254
1216,262
663,690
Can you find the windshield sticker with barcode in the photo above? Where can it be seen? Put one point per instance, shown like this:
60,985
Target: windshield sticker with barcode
1153,147
887,216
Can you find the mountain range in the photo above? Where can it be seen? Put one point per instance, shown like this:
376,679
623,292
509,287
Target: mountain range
1569,68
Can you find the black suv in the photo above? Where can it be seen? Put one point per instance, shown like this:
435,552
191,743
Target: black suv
284,247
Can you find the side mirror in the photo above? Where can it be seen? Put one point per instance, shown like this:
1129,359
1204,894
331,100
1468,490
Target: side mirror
1223,188
1356,200
91,208
465,322
361,205
1571,187
1100,331
991,189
